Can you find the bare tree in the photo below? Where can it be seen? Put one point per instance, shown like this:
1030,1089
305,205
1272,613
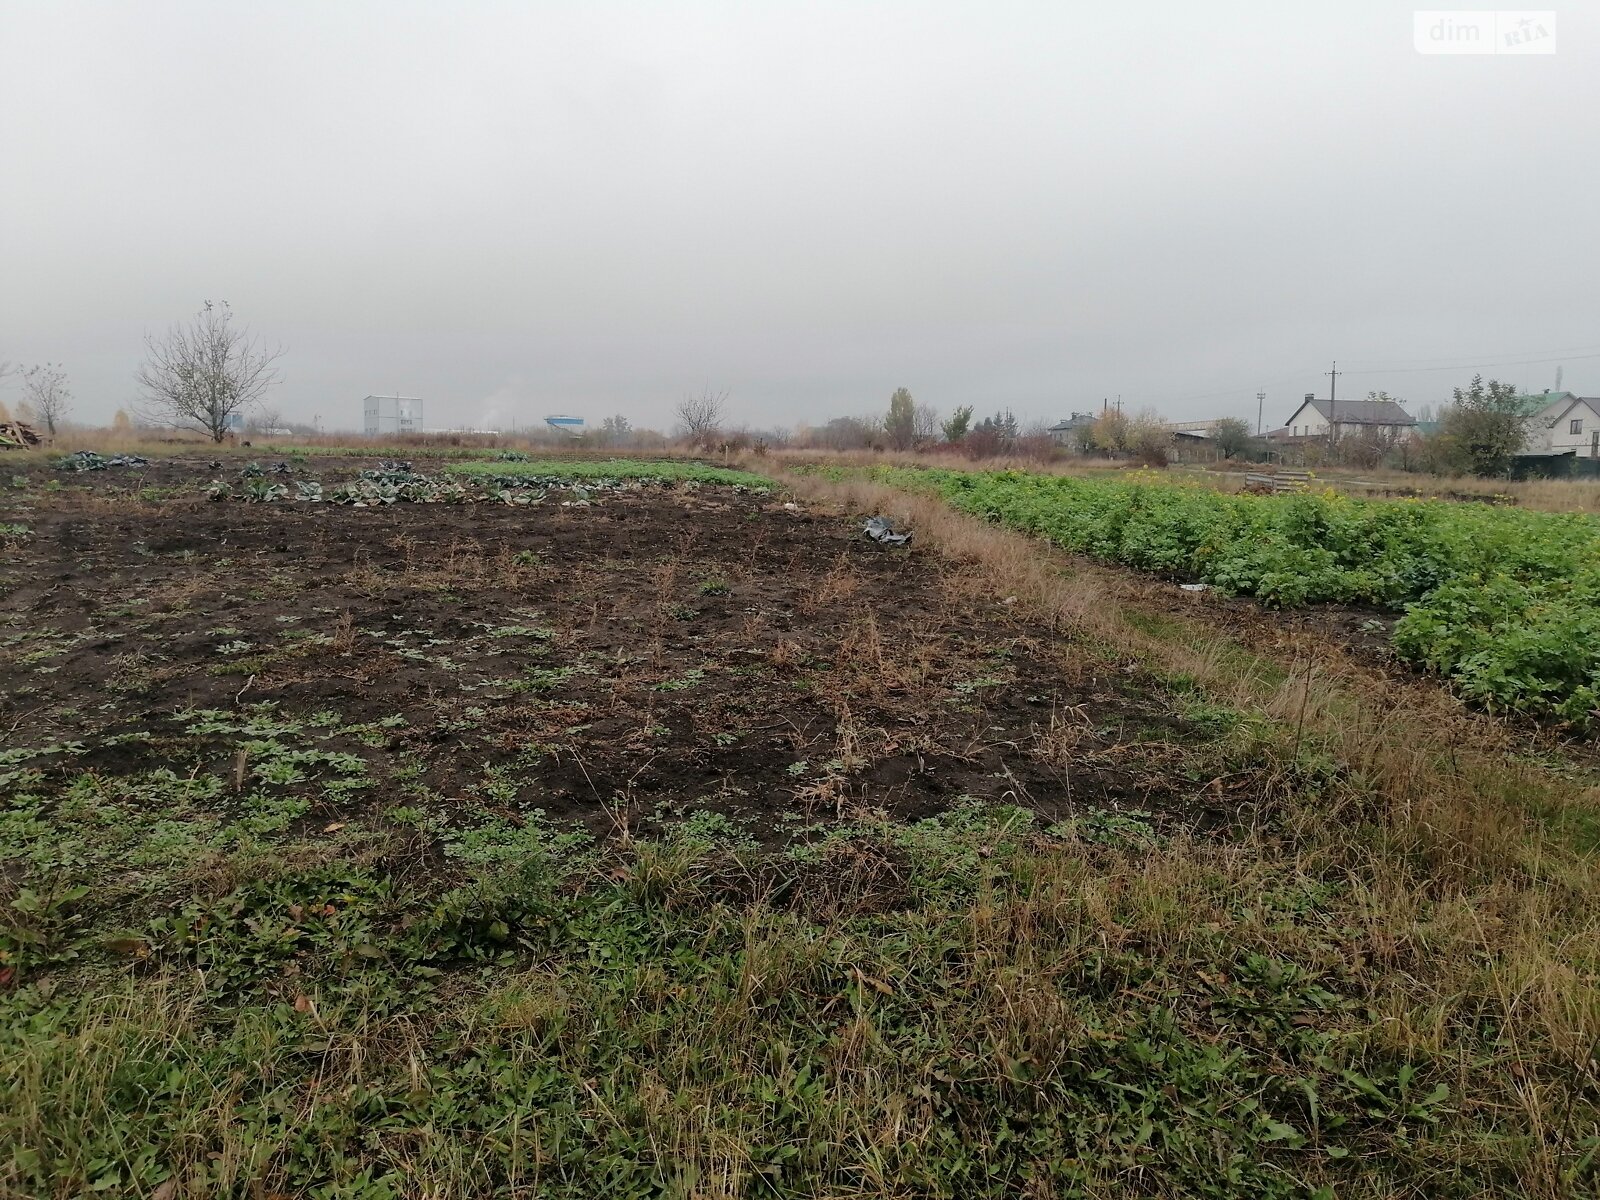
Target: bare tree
701,415
925,424
46,388
266,420
202,374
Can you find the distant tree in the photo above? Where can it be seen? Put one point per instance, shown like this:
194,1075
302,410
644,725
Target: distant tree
925,424
1003,426
1109,433
120,423
1368,446
901,424
1485,428
982,441
266,420
205,373
614,431
959,423
46,389
1231,436
1148,439
701,416
848,433
1036,443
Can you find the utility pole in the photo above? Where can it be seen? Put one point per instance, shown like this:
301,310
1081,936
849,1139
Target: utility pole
1261,400
1333,404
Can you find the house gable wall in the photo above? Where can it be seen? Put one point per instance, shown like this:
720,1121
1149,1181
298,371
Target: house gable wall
1561,437
1306,422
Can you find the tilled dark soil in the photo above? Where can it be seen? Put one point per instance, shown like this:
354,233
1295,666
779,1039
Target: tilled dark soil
652,654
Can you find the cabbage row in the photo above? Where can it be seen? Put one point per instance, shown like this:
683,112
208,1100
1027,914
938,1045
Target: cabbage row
554,471
1505,602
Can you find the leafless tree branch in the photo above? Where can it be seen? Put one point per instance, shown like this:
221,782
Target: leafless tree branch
46,388
201,374
702,415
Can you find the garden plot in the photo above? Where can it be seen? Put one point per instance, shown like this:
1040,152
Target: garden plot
651,834
652,653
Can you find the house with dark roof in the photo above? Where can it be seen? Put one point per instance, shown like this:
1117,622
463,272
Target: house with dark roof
1346,418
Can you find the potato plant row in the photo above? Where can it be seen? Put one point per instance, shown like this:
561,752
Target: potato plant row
1503,601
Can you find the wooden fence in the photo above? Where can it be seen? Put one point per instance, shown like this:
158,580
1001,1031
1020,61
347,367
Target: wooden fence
1282,481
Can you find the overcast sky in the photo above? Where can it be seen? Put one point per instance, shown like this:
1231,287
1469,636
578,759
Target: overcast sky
524,208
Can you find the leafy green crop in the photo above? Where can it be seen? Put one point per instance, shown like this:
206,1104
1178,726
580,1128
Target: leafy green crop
509,482
1505,602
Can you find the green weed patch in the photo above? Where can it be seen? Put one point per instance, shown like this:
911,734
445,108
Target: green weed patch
966,1006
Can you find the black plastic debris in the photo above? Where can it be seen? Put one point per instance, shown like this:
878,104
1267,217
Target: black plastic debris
88,460
882,530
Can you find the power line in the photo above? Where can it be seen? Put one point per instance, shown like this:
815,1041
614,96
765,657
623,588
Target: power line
1561,350
1507,360
1234,391
1525,362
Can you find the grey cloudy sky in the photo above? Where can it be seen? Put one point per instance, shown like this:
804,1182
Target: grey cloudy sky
516,209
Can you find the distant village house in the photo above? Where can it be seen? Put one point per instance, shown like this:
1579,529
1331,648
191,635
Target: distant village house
1346,418
1073,430
1561,425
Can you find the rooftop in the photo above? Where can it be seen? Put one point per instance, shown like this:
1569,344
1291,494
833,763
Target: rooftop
1364,412
1075,421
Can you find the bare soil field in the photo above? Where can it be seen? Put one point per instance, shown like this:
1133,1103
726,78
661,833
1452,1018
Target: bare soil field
654,652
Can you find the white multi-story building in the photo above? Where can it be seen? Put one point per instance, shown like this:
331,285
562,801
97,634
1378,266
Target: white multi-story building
1564,424
390,415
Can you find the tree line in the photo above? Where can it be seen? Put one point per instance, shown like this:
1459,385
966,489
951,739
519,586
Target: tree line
208,373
